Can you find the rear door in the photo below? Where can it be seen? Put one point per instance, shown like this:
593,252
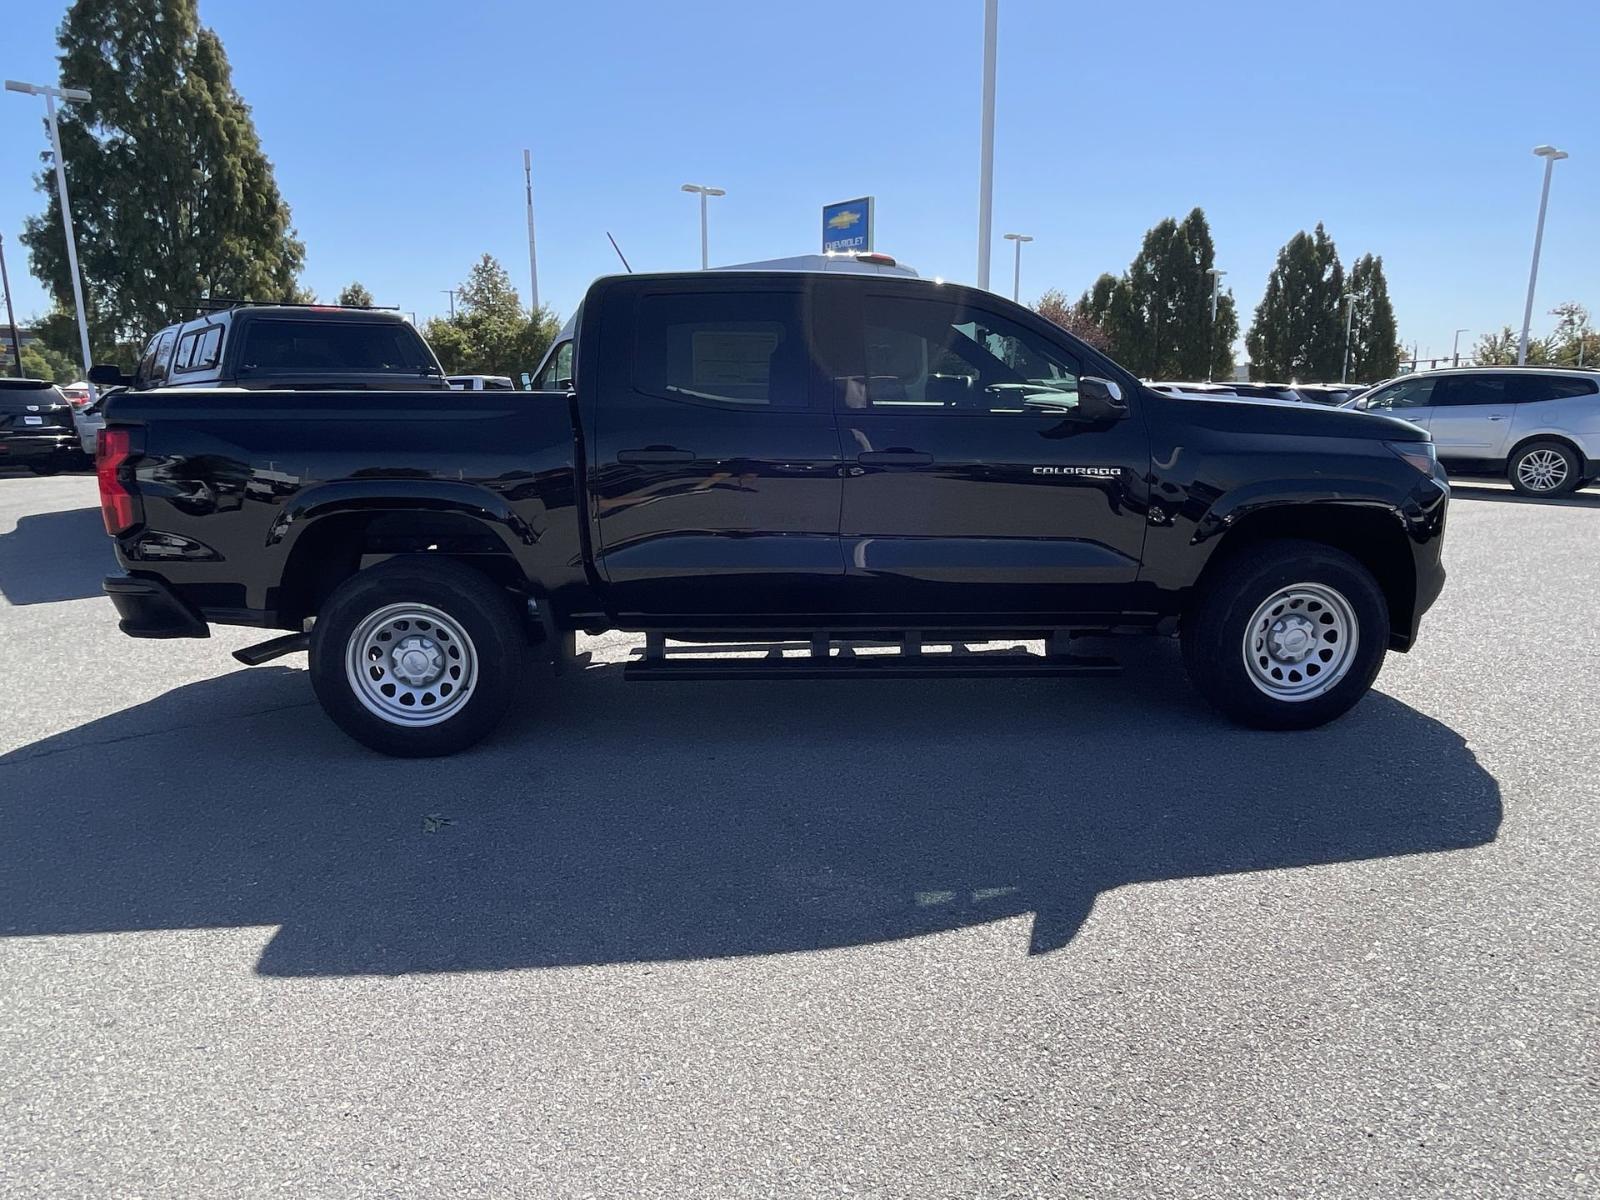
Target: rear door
969,487
714,476
1471,417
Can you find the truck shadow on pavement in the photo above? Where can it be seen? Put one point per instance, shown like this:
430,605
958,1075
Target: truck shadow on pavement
51,556
613,823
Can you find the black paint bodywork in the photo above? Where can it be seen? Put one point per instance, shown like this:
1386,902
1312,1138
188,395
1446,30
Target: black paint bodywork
619,508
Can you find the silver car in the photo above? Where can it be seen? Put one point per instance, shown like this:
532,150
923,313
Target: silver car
1537,426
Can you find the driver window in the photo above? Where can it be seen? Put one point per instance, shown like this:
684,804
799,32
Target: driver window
557,375
933,356
1408,393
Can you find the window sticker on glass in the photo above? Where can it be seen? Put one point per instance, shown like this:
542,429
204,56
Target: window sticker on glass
725,357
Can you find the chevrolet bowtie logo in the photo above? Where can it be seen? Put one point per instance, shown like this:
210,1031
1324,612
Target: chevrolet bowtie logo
843,220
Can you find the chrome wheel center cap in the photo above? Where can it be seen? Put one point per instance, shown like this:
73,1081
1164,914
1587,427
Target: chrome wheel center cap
1292,638
417,661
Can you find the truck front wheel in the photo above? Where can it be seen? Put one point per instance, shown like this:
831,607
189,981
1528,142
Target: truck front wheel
1286,635
416,657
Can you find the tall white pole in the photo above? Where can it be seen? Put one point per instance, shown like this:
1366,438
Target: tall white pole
1349,314
705,251
991,20
1455,348
1216,274
1016,276
72,241
1549,154
533,261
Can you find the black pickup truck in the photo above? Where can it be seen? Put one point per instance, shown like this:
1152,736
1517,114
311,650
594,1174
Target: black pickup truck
846,465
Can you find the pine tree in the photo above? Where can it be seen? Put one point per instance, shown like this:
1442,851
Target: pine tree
355,295
491,333
172,196
1298,331
1157,316
1374,346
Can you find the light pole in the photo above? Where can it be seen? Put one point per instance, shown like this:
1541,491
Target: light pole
1551,156
991,22
1455,348
451,292
1016,273
533,262
1216,274
51,95
16,344
1349,317
703,191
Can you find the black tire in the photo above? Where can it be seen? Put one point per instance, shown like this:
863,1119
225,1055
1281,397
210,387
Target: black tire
1568,468
492,655
1214,633
45,466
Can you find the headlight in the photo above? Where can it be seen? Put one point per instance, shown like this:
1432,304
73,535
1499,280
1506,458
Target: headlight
1420,455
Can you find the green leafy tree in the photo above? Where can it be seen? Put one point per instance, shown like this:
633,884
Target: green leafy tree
356,296
41,362
491,333
1298,331
1574,342
1374,344
1076,319
172,196
1157,316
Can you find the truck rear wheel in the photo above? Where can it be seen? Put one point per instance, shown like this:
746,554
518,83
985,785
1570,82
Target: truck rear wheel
416,657
1286,635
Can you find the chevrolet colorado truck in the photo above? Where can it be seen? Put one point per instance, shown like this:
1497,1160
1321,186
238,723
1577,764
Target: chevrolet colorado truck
865,472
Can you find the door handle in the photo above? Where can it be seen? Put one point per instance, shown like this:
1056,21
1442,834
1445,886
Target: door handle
1497,416
655,454
895,458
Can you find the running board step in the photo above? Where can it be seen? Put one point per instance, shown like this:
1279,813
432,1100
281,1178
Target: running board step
289,643
695,663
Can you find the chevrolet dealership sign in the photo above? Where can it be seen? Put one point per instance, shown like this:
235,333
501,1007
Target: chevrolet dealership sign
847,226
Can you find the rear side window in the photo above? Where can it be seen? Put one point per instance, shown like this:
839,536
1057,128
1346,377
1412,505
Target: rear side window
291,347
199,349
1528,389
1458,390
161,357
743,350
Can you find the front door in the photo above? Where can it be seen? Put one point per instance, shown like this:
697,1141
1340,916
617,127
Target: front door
715,481
1410,399
971,488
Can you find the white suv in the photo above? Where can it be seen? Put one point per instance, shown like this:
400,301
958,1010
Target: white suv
1537,426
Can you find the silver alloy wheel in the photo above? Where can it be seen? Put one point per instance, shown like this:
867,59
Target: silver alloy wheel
411,664
1542,470
1301,642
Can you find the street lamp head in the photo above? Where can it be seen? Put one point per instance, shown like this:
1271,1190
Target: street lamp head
1219,272
16,85
74,94
1017,237
1550,152
703,190
34,89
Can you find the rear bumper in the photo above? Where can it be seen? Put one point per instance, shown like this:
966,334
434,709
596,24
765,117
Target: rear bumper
26,447
149,608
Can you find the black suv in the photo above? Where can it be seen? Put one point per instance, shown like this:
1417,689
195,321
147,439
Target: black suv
285,346
36,429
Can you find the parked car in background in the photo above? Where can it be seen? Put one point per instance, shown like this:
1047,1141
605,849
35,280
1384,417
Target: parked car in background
1178,388
284,346
480,383
90,420
36,429
75,394
1267,391
1537,426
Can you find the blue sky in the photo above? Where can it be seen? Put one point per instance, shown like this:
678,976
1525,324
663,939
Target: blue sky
397,130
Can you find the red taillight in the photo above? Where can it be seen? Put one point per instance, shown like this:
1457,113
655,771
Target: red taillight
112,452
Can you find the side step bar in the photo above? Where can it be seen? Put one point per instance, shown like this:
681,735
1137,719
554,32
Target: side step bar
821,663
289,643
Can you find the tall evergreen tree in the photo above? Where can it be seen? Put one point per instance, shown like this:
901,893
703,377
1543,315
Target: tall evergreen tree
1157,316
1374,345
1298,331
355,295
172,196
491,333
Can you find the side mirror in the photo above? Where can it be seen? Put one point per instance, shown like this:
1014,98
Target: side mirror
1100,399
108,375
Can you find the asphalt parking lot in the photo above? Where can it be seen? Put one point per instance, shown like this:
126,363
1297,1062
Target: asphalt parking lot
918,938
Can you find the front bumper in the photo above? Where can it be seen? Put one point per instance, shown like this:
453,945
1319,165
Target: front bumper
150,608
